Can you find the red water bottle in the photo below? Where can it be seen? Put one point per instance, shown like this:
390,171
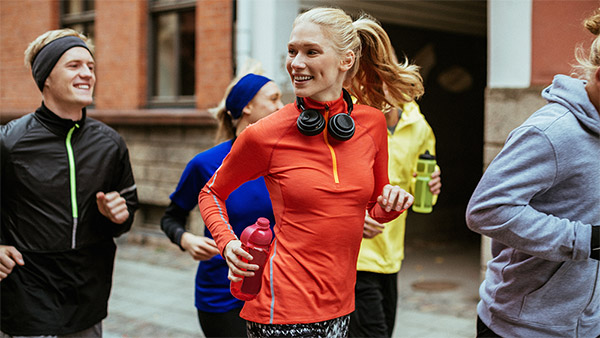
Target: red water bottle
256,240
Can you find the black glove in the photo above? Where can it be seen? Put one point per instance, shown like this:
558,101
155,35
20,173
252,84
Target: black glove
595,242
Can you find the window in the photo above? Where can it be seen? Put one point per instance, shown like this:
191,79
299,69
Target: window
78,15
173,53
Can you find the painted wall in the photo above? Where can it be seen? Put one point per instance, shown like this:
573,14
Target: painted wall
509,43
263,29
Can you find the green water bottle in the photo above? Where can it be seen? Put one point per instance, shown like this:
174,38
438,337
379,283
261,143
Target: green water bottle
423,196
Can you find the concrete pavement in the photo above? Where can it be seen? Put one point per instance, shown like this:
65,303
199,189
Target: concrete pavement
153,291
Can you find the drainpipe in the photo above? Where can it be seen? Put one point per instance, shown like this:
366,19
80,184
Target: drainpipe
243,32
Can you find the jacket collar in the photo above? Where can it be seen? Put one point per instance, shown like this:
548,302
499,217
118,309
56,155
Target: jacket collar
411,113
334,107
55,123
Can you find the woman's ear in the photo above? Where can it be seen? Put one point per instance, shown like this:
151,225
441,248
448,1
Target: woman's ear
347,61
247,109
593,89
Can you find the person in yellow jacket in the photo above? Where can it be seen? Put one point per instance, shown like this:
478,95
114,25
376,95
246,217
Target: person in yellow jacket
382,248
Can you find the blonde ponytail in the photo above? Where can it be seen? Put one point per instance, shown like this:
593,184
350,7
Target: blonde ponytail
589,62
378,67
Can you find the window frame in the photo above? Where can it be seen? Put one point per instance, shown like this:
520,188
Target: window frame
155,9
86,17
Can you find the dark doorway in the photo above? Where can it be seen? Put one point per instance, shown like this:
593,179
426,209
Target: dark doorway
454,68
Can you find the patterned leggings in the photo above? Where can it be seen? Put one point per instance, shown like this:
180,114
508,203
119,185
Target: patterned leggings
334,328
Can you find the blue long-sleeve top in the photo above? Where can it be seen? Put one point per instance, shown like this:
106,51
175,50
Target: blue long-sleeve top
245,205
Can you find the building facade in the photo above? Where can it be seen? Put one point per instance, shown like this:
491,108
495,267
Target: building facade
162,63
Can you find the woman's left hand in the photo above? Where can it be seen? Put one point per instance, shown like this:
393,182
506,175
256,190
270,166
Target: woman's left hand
394,198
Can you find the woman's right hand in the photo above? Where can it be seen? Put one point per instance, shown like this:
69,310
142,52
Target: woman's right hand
199,247
237,267
371,227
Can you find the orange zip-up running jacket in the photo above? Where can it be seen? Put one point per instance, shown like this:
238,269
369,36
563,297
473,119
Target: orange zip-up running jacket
320,188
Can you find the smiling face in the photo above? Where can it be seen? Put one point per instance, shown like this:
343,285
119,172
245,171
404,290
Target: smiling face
70,85
316,69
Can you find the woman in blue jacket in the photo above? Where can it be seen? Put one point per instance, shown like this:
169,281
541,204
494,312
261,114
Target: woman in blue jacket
248,100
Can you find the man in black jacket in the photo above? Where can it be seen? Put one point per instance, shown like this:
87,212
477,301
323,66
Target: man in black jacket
67,190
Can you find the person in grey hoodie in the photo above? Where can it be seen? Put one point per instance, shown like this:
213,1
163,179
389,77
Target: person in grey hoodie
539,201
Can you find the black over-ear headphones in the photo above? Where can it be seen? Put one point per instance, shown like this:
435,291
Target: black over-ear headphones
311,122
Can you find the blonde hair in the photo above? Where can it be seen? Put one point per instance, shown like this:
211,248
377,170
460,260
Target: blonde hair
374,65
36,45
226,125
589,62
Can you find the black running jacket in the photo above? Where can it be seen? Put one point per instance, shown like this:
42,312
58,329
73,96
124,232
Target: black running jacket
51,170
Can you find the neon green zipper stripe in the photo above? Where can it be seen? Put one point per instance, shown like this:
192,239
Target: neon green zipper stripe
72,182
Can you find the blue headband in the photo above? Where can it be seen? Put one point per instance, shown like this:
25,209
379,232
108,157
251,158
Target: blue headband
243,92
48,56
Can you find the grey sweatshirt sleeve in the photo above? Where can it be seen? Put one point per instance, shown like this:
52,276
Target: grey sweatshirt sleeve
518,197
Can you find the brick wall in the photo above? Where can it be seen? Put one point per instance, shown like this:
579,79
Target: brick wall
121,31
213,50
20,23
158,156
506,109
556,30
121,54
161,142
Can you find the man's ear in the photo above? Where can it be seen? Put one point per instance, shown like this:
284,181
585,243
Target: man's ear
347,61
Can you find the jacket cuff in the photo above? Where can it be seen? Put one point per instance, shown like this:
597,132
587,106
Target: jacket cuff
595,245
178,236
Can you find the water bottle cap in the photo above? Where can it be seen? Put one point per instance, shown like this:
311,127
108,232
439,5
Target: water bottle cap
263,222
426,156
258,233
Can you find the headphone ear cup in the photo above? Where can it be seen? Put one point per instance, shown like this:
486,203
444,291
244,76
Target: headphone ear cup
310,122
341,127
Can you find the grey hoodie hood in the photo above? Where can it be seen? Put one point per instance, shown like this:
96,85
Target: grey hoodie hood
571,94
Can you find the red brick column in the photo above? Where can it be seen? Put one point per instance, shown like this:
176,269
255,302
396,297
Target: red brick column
213,50
21,21
121,54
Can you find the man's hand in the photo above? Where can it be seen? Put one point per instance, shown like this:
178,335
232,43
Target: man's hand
199,247
231,253
394,198
9,257
112,206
